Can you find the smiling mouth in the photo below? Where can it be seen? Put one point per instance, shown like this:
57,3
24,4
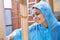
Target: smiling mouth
38,20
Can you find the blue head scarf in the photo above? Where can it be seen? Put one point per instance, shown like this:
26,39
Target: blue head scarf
44,7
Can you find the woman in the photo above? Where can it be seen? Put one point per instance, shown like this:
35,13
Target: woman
46,26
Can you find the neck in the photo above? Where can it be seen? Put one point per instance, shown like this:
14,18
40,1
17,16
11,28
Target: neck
45,24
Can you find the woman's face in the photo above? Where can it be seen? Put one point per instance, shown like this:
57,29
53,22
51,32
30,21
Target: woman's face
37,16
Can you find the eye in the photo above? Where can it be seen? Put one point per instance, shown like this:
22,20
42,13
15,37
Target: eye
37,13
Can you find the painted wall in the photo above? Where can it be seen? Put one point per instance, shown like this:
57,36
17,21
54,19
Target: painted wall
8,21
1,21
57,5
7,4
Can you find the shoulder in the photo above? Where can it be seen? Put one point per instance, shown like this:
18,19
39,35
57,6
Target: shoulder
56,32
12,35
32,27
32,31
16,33
57,27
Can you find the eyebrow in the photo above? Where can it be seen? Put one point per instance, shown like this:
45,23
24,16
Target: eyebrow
37,12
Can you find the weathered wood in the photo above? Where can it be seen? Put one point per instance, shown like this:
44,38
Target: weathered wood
1,21
23,2
51,4
24,19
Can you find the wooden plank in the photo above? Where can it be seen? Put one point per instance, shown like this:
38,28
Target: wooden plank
1,21
51,4
23,2
24,19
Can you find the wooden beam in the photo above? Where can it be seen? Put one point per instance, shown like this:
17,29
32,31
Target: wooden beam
1,21
23,2
51,4
24,19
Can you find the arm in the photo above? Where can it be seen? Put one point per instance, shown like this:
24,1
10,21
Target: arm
15,35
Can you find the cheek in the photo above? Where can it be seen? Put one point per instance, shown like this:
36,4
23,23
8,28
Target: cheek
42,18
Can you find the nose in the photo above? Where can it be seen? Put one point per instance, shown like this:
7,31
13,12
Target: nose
35,17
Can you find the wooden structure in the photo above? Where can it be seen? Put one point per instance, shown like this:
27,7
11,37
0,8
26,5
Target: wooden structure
24,19
51,4
1,21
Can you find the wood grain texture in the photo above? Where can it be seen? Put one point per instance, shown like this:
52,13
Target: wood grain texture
24,19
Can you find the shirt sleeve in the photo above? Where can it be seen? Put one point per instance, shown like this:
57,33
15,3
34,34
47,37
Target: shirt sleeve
17,34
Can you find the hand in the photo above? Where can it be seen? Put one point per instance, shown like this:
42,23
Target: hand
9,38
